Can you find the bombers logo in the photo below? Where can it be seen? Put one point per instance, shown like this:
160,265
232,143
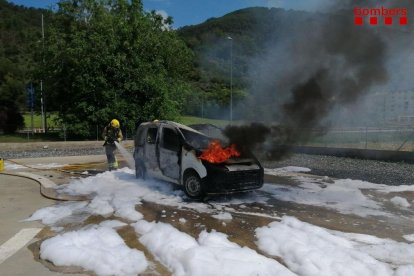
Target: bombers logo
385,15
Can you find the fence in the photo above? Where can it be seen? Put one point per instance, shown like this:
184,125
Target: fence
30,130
61,133
390,138
397,138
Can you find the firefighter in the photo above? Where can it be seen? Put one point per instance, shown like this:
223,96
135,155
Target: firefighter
111,134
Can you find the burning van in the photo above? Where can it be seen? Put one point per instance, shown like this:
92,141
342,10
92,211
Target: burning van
177,153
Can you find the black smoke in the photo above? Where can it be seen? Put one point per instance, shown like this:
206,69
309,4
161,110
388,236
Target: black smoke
247,137
324,61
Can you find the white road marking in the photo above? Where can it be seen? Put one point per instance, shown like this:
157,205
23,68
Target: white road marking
19,240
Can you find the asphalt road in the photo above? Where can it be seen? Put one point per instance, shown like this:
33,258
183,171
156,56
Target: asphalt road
19,198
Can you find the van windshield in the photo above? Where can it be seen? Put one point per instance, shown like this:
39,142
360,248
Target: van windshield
196,140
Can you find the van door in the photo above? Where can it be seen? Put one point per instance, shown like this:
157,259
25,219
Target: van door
169,152
150,154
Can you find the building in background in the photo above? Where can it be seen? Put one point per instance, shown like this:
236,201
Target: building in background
377,109
393,107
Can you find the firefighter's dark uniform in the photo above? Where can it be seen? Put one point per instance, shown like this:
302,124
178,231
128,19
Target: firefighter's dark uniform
111,135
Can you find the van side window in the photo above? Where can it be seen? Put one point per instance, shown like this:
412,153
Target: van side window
152,135
170,139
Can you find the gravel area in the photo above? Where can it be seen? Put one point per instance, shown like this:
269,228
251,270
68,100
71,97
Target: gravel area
50,149
51,153
380,172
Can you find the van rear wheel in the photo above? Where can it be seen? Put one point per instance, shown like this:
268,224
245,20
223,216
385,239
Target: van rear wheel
193,186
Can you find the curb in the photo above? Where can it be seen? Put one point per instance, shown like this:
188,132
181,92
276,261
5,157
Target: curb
47,187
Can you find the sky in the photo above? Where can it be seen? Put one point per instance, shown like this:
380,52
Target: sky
192,12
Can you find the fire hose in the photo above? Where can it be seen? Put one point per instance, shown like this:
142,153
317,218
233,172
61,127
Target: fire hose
78,166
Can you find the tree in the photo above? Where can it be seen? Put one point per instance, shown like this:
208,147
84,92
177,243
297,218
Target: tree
11,97
109,59
19,33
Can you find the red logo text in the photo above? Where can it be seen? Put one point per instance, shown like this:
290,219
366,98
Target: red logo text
382,15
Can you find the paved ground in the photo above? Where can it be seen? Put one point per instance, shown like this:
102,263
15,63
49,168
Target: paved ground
20,197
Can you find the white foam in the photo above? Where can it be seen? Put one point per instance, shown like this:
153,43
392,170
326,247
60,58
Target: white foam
113,223
400,202
409,237
285,170
223,216
52,214
99,249
211,254
312,250
343,195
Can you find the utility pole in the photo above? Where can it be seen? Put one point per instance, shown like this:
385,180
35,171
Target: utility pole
202,105
41,105
42,101
31,102
231,78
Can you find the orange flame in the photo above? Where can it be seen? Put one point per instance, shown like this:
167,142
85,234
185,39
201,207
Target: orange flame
216,154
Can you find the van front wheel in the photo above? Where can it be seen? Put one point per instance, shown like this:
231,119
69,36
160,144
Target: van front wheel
193,186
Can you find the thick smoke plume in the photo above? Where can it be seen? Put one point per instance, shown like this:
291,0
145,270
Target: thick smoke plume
248,136
320,62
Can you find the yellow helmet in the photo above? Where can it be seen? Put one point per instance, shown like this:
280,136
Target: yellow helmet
115,123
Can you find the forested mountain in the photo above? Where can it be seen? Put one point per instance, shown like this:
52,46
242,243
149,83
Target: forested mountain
238,38
247,28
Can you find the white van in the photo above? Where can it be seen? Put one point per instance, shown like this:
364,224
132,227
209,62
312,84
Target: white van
169,151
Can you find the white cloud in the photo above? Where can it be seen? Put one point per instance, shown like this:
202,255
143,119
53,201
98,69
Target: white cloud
163,13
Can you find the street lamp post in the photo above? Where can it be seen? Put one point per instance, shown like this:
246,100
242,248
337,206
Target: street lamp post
231,78
42,103
202,105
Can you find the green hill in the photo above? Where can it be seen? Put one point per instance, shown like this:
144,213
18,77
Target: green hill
253,32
